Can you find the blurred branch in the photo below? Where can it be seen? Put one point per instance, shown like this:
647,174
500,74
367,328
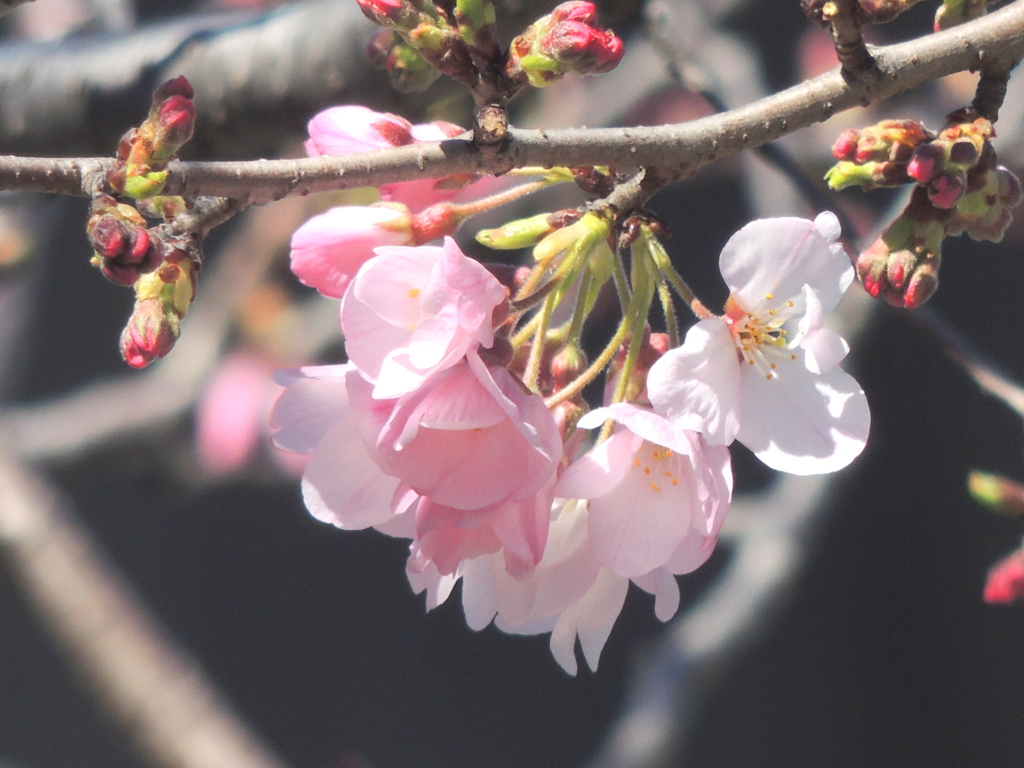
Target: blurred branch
6,6
984,372
171,709
676,150
132,402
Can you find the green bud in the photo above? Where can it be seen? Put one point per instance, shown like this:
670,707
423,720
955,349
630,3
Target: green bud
522,233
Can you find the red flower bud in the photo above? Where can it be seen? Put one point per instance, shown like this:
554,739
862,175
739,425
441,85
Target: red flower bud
149,335
1005,582
845,147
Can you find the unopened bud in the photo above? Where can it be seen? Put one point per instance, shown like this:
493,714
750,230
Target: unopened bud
947,188
997,492
150,334
566,41
923,283
566,366
923,163
845,147
522,233
408,70
435,222
1005,583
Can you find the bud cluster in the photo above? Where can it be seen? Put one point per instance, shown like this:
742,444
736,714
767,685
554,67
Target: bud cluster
123,248
461,42
565,41
162,298
144,151
960,187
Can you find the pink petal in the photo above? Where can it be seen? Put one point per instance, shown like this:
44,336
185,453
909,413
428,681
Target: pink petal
691,554
329,249
696,386
591,620
347,129
310,406
232,412
343,486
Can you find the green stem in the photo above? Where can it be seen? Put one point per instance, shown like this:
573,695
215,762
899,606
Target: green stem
579,313
669,309
664,265
532,372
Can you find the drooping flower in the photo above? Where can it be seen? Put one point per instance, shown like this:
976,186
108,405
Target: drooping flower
414,311
569,594
658,493
329,249
767,371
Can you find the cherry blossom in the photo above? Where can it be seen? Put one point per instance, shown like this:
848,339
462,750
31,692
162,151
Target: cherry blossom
658,493
329,249
766,372
414,311
347,129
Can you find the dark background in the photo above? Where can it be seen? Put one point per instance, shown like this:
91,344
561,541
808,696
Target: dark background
884,653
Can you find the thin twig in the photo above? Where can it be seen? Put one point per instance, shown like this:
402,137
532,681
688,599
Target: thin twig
677,150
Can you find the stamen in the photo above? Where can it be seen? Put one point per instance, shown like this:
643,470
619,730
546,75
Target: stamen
414,292
655,487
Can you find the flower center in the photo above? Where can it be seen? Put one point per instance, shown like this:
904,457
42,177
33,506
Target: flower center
659,464
760,338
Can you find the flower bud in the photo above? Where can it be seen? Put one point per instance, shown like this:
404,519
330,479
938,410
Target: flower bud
566,366
997,492
435,222
947,188
566,41
1005,583
522,233
923,283
408,71
149,335
923,162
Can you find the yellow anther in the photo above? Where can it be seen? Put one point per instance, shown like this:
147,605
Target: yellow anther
655,487
771,311
647,470
414,292
675,481
768,375
769,296
789,303
636,461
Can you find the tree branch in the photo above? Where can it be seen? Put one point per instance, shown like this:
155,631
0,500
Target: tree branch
171,708
677,150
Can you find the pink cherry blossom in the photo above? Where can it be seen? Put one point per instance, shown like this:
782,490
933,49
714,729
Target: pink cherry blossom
569,594
469,437
414,311
347,129
232,414
766,372
329,249
658,493
469,456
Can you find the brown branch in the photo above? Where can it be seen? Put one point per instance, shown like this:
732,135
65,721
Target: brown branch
172,710
853,54
676,150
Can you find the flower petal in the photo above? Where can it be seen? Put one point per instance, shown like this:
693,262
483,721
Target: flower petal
696,386
803,423
777,257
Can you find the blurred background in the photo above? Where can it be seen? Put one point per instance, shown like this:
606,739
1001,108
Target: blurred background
839,623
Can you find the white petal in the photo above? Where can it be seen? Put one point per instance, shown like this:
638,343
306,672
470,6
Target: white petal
479,601
696,386
597,613
776,257
824,350
308,408
801,423
663,586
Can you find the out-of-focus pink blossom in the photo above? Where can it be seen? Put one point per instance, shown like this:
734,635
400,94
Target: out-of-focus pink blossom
414,311
348,129
232,415
767,372
1005,582
329,249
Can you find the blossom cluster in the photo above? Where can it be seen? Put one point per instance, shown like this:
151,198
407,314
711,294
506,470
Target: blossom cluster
439,429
